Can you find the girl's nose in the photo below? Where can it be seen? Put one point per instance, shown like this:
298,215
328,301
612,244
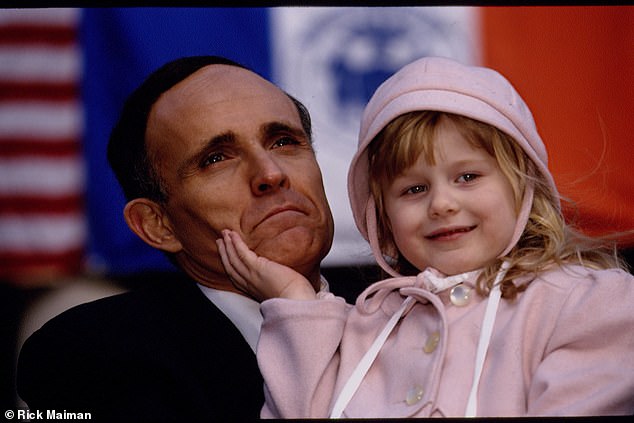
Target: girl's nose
442,203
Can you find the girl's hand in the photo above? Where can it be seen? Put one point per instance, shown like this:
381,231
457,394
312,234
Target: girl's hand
259,277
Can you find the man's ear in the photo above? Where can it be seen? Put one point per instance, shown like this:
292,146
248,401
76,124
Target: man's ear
147,219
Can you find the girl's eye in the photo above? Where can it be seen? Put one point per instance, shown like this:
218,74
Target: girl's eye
416,189
213,158
468,177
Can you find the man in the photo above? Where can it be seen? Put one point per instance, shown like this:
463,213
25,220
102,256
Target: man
202,145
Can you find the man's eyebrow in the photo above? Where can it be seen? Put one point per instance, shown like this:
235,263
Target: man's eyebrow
213,144
271,129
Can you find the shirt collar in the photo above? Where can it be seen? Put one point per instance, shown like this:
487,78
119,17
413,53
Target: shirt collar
244,312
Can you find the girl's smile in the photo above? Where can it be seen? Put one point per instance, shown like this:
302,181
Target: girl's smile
455,215
449,234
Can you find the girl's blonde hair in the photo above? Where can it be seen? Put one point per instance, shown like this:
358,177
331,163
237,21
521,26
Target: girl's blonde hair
546,240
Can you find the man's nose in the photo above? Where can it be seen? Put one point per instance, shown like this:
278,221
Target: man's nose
267,176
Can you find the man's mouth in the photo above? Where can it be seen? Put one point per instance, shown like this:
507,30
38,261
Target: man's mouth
449,232
280,210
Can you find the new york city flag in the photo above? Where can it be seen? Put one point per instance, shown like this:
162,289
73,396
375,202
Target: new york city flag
61,92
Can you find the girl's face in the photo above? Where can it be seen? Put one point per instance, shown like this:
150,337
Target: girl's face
456,215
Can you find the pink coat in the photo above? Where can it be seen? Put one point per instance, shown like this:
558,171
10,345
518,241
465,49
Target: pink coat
565,346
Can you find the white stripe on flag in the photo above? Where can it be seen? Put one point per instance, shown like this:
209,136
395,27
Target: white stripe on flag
42,120
50,234
38,63
46,16
41,176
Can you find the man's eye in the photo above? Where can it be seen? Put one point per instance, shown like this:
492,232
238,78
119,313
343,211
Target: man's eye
213,158
281,142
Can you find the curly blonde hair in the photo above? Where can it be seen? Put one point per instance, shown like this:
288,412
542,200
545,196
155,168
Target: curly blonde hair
547,239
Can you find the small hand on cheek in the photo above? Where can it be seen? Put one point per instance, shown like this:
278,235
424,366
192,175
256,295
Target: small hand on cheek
257,276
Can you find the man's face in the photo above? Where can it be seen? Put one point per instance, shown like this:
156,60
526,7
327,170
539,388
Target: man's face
232,153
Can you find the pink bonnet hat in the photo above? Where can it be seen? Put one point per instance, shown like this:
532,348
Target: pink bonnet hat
441,84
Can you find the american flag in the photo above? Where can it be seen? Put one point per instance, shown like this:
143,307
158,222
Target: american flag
42,224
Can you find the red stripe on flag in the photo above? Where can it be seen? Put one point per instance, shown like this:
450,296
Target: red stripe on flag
23,34
25,204
22,147
39,268
37,90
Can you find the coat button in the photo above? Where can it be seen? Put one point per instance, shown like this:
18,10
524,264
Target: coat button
432,342
414,395
460,295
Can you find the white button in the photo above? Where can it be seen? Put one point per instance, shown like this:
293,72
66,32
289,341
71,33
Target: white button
414,395
460,295
432,342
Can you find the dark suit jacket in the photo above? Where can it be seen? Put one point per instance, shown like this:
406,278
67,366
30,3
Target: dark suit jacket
164,352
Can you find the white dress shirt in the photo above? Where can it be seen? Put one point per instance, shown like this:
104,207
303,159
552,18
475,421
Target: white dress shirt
243,311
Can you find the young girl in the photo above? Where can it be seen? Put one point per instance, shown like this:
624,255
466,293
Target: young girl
496,307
